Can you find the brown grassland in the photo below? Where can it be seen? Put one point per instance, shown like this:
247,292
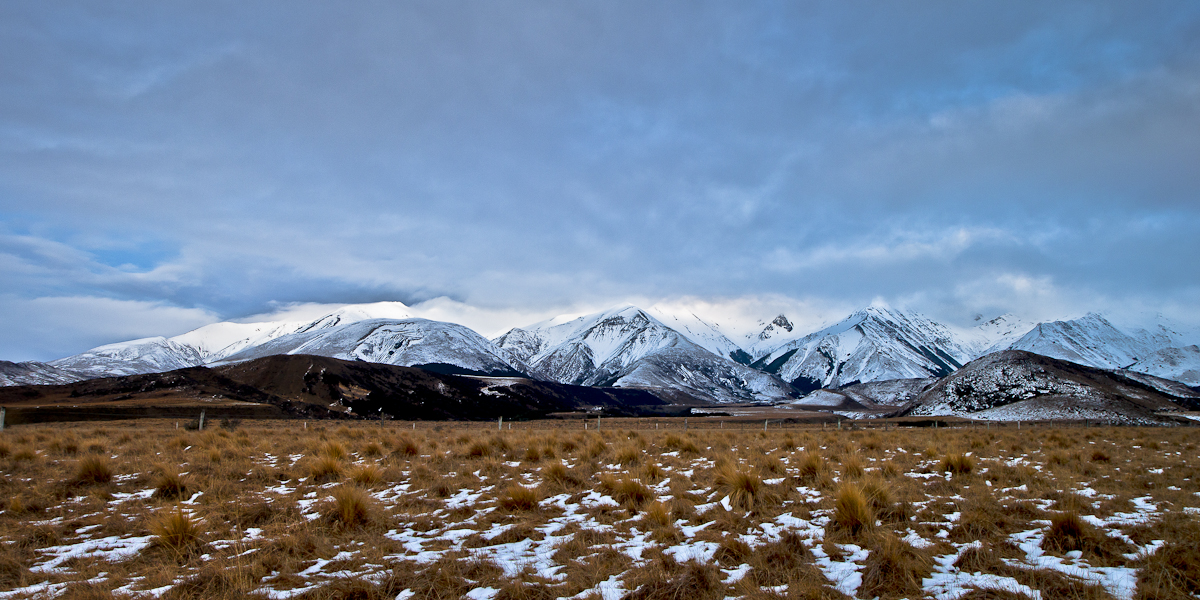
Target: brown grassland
276,509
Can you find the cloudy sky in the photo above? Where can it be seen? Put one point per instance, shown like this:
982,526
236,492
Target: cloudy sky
164,165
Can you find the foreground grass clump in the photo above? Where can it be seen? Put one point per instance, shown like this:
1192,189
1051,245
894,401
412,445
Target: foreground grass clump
852,513
176,532
894,569
744,487
93,470
325,468
170,485
958,464
350,508
628,492
519,498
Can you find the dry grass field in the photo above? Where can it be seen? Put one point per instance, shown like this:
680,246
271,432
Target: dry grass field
272,509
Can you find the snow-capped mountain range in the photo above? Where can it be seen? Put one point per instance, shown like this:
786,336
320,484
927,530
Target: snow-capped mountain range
678,352
628,347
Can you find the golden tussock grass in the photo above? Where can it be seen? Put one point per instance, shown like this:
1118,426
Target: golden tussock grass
811,468
743,486
894,569
517,497
260,475
628,492
676,443
332,450
169,484
366,474
91,470
852,467
350,507
958,464
852,514
691,581
325,468
176,532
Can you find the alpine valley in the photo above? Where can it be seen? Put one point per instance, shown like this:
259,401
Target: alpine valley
877,361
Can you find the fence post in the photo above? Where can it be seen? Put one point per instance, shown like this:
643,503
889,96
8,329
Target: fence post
201,428
3,414
501,424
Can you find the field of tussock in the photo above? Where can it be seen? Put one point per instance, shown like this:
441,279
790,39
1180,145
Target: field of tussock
277,509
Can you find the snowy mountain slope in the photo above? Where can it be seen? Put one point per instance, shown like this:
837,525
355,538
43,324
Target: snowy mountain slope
774,333
1170,387
996,334
870,345
381,332
832,400
682,369
1016,384
1090,340
890,392
147,355
219,340
700,332
627,347
35,373
1176,364
403,342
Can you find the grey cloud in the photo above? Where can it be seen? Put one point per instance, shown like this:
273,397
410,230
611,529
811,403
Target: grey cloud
547,154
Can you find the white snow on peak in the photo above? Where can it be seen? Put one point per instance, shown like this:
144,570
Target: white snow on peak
703,333
1090,340
388,334
872,344
147,355
626,346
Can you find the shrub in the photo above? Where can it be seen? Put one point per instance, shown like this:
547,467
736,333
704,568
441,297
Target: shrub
1100,456
93,470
